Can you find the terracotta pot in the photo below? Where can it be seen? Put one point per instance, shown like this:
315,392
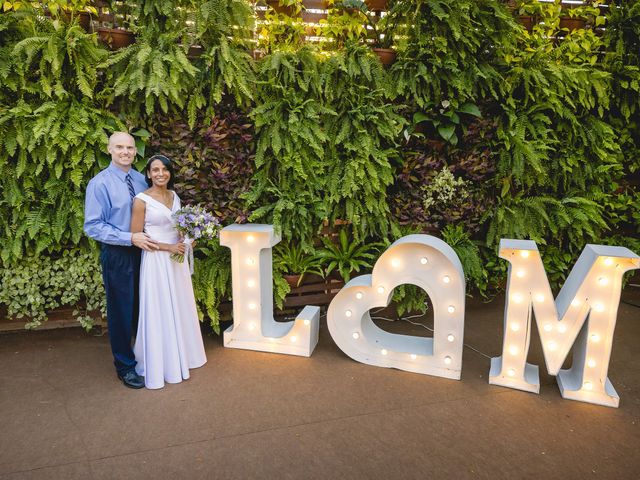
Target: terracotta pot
315,4
527,21
376,5
84,19
572,24
194,51
387,55
292,280
116,38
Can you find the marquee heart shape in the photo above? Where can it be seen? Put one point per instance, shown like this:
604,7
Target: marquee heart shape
421,260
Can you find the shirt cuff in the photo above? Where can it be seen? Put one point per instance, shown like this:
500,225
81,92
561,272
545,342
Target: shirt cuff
127,238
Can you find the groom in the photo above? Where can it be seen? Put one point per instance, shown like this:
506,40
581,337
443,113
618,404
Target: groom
107,219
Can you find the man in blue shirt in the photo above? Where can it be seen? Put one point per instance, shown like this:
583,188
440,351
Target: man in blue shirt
107,219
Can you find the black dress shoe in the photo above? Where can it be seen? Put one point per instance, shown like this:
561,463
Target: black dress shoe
131,379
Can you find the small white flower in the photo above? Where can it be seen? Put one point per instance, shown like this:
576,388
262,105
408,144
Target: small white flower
445,103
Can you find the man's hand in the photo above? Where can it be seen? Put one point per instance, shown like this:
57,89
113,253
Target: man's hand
143,241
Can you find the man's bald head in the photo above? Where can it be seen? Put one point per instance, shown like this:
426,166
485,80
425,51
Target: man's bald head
119,136
122,148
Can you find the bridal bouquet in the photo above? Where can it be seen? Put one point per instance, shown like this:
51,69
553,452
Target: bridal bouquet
194,223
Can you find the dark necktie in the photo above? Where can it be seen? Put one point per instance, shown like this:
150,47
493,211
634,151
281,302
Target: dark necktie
132,192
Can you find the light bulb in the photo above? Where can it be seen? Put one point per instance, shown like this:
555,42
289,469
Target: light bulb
380,289
359,295
602,281
424,260
540,298
250,261
395,263
307,323
608,261
450,338
598,307
547,327
447,360
588,385
446,279
413,356
355,335
562,328
513,350
252,326
451,309
294,339
552,346
252,306
591,363
250,238
524,253
384,351
595,338
511,372
516,297
515,327
575,302
348,313
251,283
520,273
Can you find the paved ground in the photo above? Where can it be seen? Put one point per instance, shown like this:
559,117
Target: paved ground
63,414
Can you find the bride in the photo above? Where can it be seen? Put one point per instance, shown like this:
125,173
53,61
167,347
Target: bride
168,342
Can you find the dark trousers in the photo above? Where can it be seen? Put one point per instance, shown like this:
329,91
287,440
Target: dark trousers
121,275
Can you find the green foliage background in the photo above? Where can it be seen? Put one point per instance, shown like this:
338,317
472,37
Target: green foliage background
542,127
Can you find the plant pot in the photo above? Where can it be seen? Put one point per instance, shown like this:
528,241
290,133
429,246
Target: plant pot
315,4
572,24
84,19
376,5
527,22
386,55
286,10
292,280
195,51
116,38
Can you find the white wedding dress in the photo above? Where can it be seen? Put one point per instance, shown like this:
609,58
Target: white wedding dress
168,342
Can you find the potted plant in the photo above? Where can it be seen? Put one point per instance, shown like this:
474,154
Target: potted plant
281,32
579,17
118,35
345,256
346,22
287,7
384,30
293,262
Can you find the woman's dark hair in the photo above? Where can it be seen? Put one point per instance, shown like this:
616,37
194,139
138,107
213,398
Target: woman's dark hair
166,162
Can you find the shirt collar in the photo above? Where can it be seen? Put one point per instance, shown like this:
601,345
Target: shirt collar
118,172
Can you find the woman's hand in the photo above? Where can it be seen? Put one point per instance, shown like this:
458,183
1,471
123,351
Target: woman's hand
177,248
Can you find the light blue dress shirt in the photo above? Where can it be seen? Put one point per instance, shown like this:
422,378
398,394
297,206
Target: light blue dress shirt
107,206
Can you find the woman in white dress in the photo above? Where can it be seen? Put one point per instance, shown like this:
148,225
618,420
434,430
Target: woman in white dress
168,342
